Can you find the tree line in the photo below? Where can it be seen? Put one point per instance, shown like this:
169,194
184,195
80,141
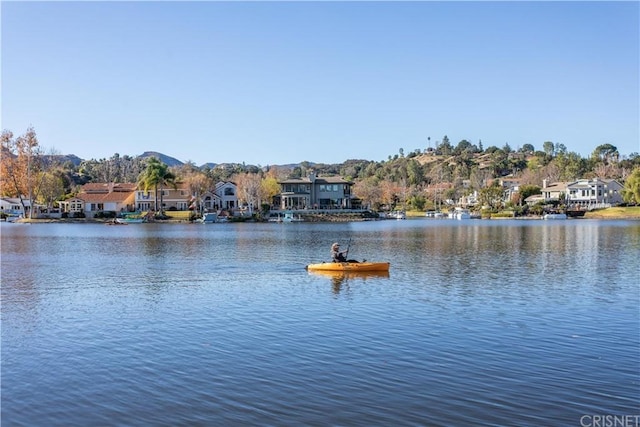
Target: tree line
418,180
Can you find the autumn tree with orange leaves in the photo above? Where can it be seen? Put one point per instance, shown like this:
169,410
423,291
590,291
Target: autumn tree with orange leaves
21,167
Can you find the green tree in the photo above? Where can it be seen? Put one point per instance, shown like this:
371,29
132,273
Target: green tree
631,190
414,172
463,146
570,165
528,190
445,148
527,148
492,196
605,153
549,148
156,174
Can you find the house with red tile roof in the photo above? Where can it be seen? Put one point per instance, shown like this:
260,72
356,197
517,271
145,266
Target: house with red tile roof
101,197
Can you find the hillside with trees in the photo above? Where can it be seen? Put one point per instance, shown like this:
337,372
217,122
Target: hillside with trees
417,180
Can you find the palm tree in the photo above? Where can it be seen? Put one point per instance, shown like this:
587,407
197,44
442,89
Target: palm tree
156,174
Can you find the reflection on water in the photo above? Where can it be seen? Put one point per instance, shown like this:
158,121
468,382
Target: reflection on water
477,323
338,278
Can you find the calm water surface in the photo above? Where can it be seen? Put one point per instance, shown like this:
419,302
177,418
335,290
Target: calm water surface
496,323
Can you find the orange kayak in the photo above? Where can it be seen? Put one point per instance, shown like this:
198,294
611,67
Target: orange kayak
349,266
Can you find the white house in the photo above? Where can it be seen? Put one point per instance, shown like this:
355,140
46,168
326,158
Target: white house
12,206
227,191
595,192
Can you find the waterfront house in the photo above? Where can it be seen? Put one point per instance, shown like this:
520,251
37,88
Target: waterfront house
169,198
470,199
511,187
584,193
101,197
554,192
210,202
12,206
314,192
224,196
227,193
594,193
534,199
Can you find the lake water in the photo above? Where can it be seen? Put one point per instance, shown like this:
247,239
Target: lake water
479,323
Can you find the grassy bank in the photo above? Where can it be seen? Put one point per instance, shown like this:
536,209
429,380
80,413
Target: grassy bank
630,212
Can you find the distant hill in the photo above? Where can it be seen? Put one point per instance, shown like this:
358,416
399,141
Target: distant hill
167,160
209,165
62,158
172,161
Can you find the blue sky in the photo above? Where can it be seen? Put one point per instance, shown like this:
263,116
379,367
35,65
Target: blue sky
282,82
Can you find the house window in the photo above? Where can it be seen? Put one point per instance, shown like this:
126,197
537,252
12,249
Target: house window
329,187
228,192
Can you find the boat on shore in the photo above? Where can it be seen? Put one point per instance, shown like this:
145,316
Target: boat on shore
208,218
460,213
554,216
290,217
349,266
397,215
131,220
286,217
434,214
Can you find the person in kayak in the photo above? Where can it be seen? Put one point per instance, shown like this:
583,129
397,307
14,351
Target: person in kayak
336,255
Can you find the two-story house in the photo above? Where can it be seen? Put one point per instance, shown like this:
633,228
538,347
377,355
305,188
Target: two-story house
595,192
314,192
227,192
553,192
583,193
511,187
169,198
224,196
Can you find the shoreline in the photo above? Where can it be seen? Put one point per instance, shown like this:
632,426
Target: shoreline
599,215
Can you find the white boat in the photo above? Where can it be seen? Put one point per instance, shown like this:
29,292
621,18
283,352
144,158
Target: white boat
208,218
434,214
397,215
290,217
461,213
554,216
130,220
133,218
